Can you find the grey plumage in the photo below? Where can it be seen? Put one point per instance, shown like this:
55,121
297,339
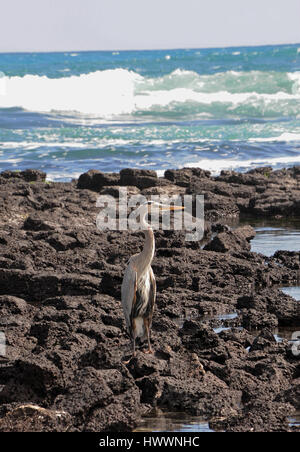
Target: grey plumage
138,291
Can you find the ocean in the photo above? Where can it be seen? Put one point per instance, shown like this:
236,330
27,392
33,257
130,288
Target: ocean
223,108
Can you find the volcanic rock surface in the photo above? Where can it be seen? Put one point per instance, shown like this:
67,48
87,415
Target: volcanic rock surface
60,310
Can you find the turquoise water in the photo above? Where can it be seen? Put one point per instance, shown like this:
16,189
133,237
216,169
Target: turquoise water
231,108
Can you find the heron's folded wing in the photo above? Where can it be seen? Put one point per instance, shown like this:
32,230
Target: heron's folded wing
152,293
128,292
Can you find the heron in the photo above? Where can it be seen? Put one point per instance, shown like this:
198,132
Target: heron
138,291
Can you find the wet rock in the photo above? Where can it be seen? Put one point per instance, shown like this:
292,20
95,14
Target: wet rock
3,238
36,223
255,320
62,242
119,416
263,340
139,178
275,203
88,390
205,401
29,175
234,241
198,337
12,305
34,418
257,417
144,365
257,177
216,206
60,308
219,227
292,394
163,191
183,177
284,307
32,378
95,180
115,191
91,398
289,259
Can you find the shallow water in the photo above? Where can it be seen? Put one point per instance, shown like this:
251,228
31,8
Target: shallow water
268,240
293,291
179,321
294,420
181,422
286,333
273,235
173,422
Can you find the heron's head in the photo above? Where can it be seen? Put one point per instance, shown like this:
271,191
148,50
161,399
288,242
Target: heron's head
157,206
153,208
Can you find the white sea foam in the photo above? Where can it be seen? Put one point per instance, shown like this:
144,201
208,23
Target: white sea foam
31,145
217,165
295,77
103,92
285,136
63,175
2,85
182,95
116,92
12,162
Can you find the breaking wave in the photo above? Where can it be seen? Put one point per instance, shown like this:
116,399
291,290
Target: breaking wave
114,93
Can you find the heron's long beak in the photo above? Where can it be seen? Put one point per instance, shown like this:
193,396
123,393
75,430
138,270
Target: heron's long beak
165,208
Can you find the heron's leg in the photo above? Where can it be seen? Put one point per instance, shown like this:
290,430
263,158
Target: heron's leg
133,348
133,325
147,328
133,338
133,321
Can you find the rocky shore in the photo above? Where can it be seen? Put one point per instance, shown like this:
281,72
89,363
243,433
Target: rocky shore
66,343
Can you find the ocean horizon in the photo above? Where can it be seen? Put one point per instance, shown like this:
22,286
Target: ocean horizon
230,108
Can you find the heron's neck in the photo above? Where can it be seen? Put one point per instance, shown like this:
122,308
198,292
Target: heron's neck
146,256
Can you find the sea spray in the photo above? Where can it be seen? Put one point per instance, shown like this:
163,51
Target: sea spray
232,108
113,93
